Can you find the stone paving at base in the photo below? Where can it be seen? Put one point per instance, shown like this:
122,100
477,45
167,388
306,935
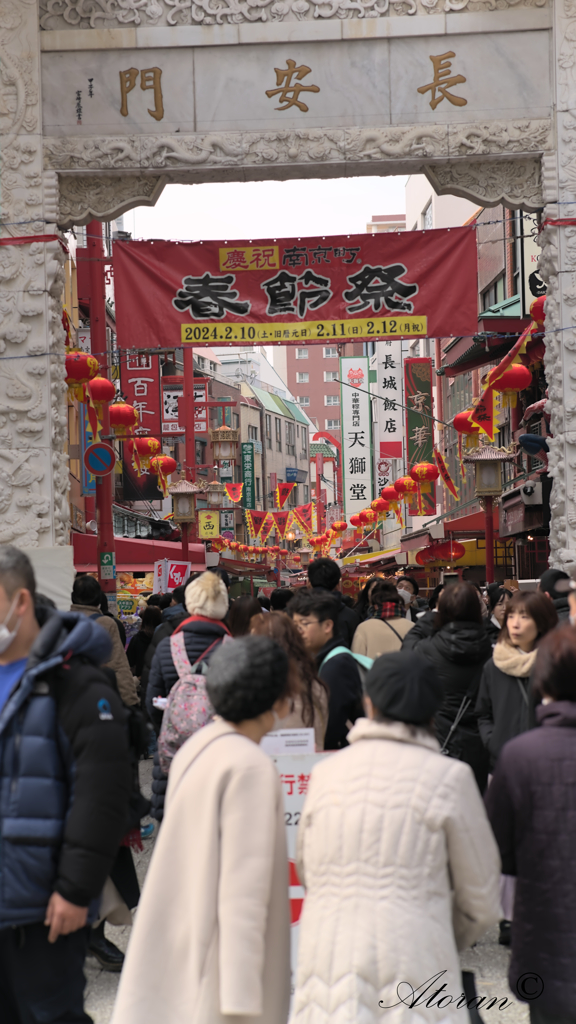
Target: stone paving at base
487,959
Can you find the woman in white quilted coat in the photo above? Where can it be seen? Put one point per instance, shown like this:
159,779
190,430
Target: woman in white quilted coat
399,863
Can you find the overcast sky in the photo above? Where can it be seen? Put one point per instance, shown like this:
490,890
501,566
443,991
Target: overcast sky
267,209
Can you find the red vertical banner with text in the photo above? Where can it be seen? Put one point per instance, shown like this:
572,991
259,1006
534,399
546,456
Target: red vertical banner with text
140,383
419,427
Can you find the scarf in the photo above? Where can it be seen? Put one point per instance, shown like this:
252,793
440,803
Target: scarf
512,661
387,610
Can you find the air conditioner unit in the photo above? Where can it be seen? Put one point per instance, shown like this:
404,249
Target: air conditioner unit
531,493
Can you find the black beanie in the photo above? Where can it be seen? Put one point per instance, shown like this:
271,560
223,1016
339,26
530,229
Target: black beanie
404,686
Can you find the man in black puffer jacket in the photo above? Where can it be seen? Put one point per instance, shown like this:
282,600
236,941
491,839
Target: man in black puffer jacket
207,605
324,575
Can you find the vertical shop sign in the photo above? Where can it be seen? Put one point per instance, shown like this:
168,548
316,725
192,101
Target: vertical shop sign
200,407
419,424
140,382
356,434
248,473
389,405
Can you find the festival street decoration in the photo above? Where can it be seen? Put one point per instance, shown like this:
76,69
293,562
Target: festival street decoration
283,492
234,492
419,427
288,290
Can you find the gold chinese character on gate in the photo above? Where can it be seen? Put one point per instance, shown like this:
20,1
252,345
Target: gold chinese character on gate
443,81
149,79
289,81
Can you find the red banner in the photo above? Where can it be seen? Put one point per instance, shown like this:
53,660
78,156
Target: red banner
303,516
140,383
281,520
445,473
483,413
254,521
267,528
234,491
409,284
283,492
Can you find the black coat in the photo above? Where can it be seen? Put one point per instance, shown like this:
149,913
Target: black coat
198,636
136,652
166,628
530,803
458,652
347,621
563,609
342,677
422,629
501,708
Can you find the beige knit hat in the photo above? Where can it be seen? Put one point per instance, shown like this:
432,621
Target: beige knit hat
207,596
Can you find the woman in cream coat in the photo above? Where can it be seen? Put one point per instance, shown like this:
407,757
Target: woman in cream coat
211,939
399,864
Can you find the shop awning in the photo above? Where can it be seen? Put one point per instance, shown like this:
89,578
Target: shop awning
133,555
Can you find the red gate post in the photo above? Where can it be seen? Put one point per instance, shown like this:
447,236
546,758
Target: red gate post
104,486
489,531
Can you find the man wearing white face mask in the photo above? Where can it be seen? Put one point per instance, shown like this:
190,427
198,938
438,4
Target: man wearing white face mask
65,784
408,590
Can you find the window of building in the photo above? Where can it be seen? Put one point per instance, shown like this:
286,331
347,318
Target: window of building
301,353
331,399
330,375
304,442
495,293
332,424
331,353
306,490
252,433
427,217
201,361
302,378
303,399
290,438
236,420
268,429
257,488
278,435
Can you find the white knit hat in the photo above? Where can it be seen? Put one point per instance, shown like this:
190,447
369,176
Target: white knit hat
207,596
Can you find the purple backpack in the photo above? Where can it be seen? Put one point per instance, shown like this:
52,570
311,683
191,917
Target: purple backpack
188,708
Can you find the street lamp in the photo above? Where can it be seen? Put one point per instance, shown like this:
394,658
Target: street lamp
488,484
215,492
224,441
184,496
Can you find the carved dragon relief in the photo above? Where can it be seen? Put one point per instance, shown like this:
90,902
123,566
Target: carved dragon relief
33,503
86,14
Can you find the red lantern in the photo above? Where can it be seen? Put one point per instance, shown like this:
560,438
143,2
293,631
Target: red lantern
243,548
424,473
163,465
123,420
340,526
426,556
537,310
217,543
379,505
405,485
284,552
296,558
142,449
462,425
98,392
515,378
389,494
449,550
355,521
362,516
274,549
234,545
80,368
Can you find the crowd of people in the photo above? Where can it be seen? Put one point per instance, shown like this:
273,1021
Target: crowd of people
406,856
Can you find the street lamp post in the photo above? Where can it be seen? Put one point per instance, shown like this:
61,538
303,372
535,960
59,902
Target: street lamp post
488,485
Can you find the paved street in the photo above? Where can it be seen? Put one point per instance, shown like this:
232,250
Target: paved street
488,960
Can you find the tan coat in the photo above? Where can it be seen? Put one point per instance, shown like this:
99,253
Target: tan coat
401,869
376,636
212,933
127,686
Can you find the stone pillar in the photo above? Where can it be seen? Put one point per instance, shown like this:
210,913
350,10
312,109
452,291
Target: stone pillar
34,510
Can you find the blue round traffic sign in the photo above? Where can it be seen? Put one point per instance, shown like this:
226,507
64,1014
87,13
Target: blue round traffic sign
100,459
